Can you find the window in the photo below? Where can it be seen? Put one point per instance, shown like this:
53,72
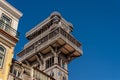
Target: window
16,72
59,61
6,19
64,78
49,62
5,23
52,74
2,55
63,64
59,73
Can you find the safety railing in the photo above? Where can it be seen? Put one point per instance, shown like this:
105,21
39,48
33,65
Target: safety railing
51,35
7,28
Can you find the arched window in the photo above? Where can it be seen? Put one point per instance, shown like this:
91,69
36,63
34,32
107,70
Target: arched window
2,55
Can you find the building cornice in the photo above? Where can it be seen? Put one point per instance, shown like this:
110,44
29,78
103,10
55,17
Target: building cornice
4,4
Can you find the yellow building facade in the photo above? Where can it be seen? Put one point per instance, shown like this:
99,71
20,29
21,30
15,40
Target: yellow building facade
9,18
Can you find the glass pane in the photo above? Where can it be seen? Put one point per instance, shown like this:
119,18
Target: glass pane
15,72
18,74
1,61
6,19
2,50
7,28
64,78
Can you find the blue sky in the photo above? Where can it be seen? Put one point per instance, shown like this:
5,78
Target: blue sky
96,26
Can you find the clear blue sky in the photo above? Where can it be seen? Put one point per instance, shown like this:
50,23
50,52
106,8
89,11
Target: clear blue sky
96,26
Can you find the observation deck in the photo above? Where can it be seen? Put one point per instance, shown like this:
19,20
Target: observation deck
54,32
57,37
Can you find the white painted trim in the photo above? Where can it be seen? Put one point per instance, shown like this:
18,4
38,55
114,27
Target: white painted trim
4,4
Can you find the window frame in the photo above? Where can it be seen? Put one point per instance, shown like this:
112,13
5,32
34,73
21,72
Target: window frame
16,72
49,62
64,78
6,22
2,55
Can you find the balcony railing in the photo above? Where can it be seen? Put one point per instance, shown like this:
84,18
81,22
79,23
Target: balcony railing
13,77
28,73
7,28
51,35
39,75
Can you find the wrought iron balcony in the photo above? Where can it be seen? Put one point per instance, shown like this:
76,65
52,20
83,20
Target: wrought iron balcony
7,28
55,34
